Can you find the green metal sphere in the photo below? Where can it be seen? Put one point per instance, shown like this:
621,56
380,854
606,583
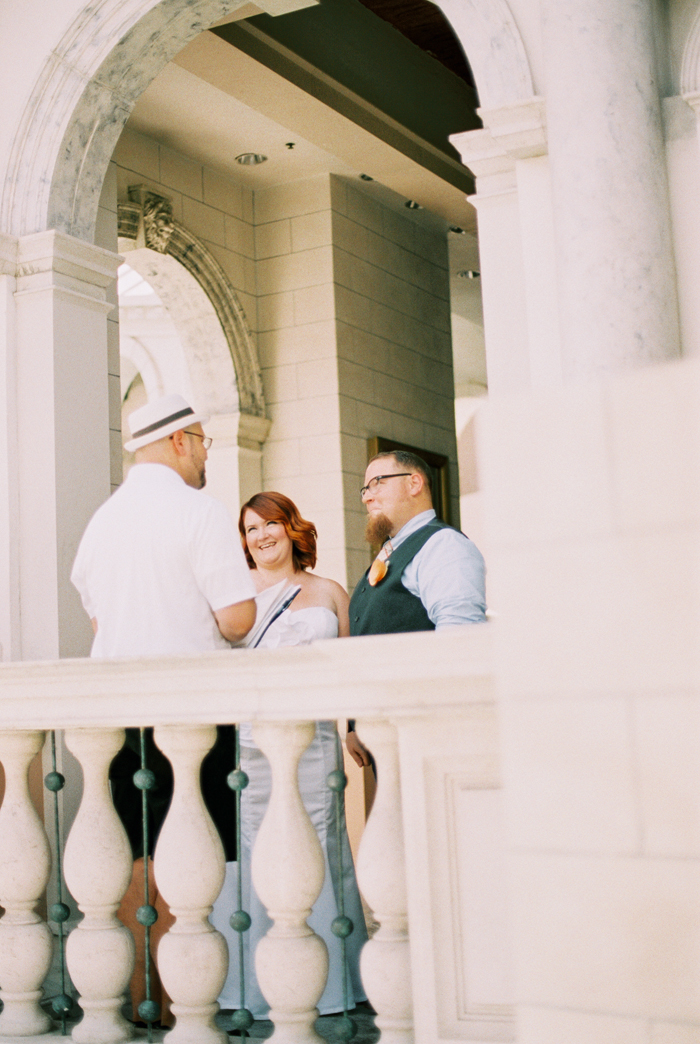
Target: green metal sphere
149,1011
237,780
54,781
337,780
147,915
242,1019
345,1028
240,921
342,927
144,779
59,912
62,1004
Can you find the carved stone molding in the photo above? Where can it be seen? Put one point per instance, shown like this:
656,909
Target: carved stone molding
148,220
510,133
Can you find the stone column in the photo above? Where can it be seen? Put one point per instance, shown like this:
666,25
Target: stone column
9,505
59,407
234,462
516,252
612,225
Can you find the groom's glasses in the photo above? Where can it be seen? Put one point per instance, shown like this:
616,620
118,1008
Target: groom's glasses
373,483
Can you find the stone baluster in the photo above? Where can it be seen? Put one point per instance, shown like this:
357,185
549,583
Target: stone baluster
25,863
385,961
97,866
291,961
189,868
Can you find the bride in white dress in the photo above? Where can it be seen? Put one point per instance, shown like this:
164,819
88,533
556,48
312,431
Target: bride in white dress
280,545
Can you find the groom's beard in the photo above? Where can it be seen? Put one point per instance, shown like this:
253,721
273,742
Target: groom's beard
377,530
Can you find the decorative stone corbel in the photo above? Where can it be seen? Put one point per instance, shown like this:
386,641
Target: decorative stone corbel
155,218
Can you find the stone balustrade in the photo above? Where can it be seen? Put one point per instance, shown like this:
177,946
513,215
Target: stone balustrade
423,703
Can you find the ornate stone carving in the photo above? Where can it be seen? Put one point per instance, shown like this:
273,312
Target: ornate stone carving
146,210
158,224
128,219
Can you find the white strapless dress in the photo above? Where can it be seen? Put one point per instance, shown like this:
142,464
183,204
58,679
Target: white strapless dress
321,757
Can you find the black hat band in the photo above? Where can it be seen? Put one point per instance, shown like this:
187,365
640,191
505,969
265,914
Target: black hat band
189,412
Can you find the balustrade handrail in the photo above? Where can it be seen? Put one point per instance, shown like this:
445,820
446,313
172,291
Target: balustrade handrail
387,676
393,685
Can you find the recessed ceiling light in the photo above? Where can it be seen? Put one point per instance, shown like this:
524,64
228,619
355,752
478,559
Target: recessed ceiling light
457,230
468,273
412,205
366,177
290,144
250,159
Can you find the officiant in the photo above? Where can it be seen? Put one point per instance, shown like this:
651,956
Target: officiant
160,570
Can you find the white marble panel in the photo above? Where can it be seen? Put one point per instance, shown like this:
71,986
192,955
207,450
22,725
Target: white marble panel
608,935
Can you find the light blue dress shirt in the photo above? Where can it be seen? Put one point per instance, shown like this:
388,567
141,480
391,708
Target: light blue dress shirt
447,574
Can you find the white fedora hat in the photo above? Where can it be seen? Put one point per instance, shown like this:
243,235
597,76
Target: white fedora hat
157,419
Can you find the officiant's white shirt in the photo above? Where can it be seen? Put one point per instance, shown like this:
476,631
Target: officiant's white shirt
155,562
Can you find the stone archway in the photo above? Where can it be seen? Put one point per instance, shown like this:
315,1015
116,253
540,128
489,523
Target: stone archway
108,56
497,57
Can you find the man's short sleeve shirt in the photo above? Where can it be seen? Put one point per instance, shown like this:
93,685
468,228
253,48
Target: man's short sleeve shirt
155,562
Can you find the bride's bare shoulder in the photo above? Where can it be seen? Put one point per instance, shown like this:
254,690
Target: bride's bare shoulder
328,591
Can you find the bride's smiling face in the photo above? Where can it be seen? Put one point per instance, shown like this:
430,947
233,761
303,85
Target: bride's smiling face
267,541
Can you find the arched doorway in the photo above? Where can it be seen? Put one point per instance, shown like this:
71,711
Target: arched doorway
62,147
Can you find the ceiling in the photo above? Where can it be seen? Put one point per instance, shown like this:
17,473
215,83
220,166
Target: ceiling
215,101
424,24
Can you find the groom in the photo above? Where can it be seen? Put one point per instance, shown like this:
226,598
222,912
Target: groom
427,574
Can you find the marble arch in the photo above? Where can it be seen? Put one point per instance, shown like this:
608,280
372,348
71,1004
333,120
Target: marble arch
492,42
228,369
111,52
211,378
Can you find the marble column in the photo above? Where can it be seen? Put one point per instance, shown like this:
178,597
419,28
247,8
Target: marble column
59,405
516,252
9,535
500,260
616,276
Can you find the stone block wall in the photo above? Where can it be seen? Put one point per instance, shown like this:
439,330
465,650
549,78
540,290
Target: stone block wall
216,209
395,371
592,508
354,341
298,355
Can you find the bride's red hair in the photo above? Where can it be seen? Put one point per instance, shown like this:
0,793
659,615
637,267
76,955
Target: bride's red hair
275,507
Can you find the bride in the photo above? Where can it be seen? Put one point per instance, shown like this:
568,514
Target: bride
280,545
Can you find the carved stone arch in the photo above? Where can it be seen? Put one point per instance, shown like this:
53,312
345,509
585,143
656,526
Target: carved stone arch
113,50
493,44
83,97
149,222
